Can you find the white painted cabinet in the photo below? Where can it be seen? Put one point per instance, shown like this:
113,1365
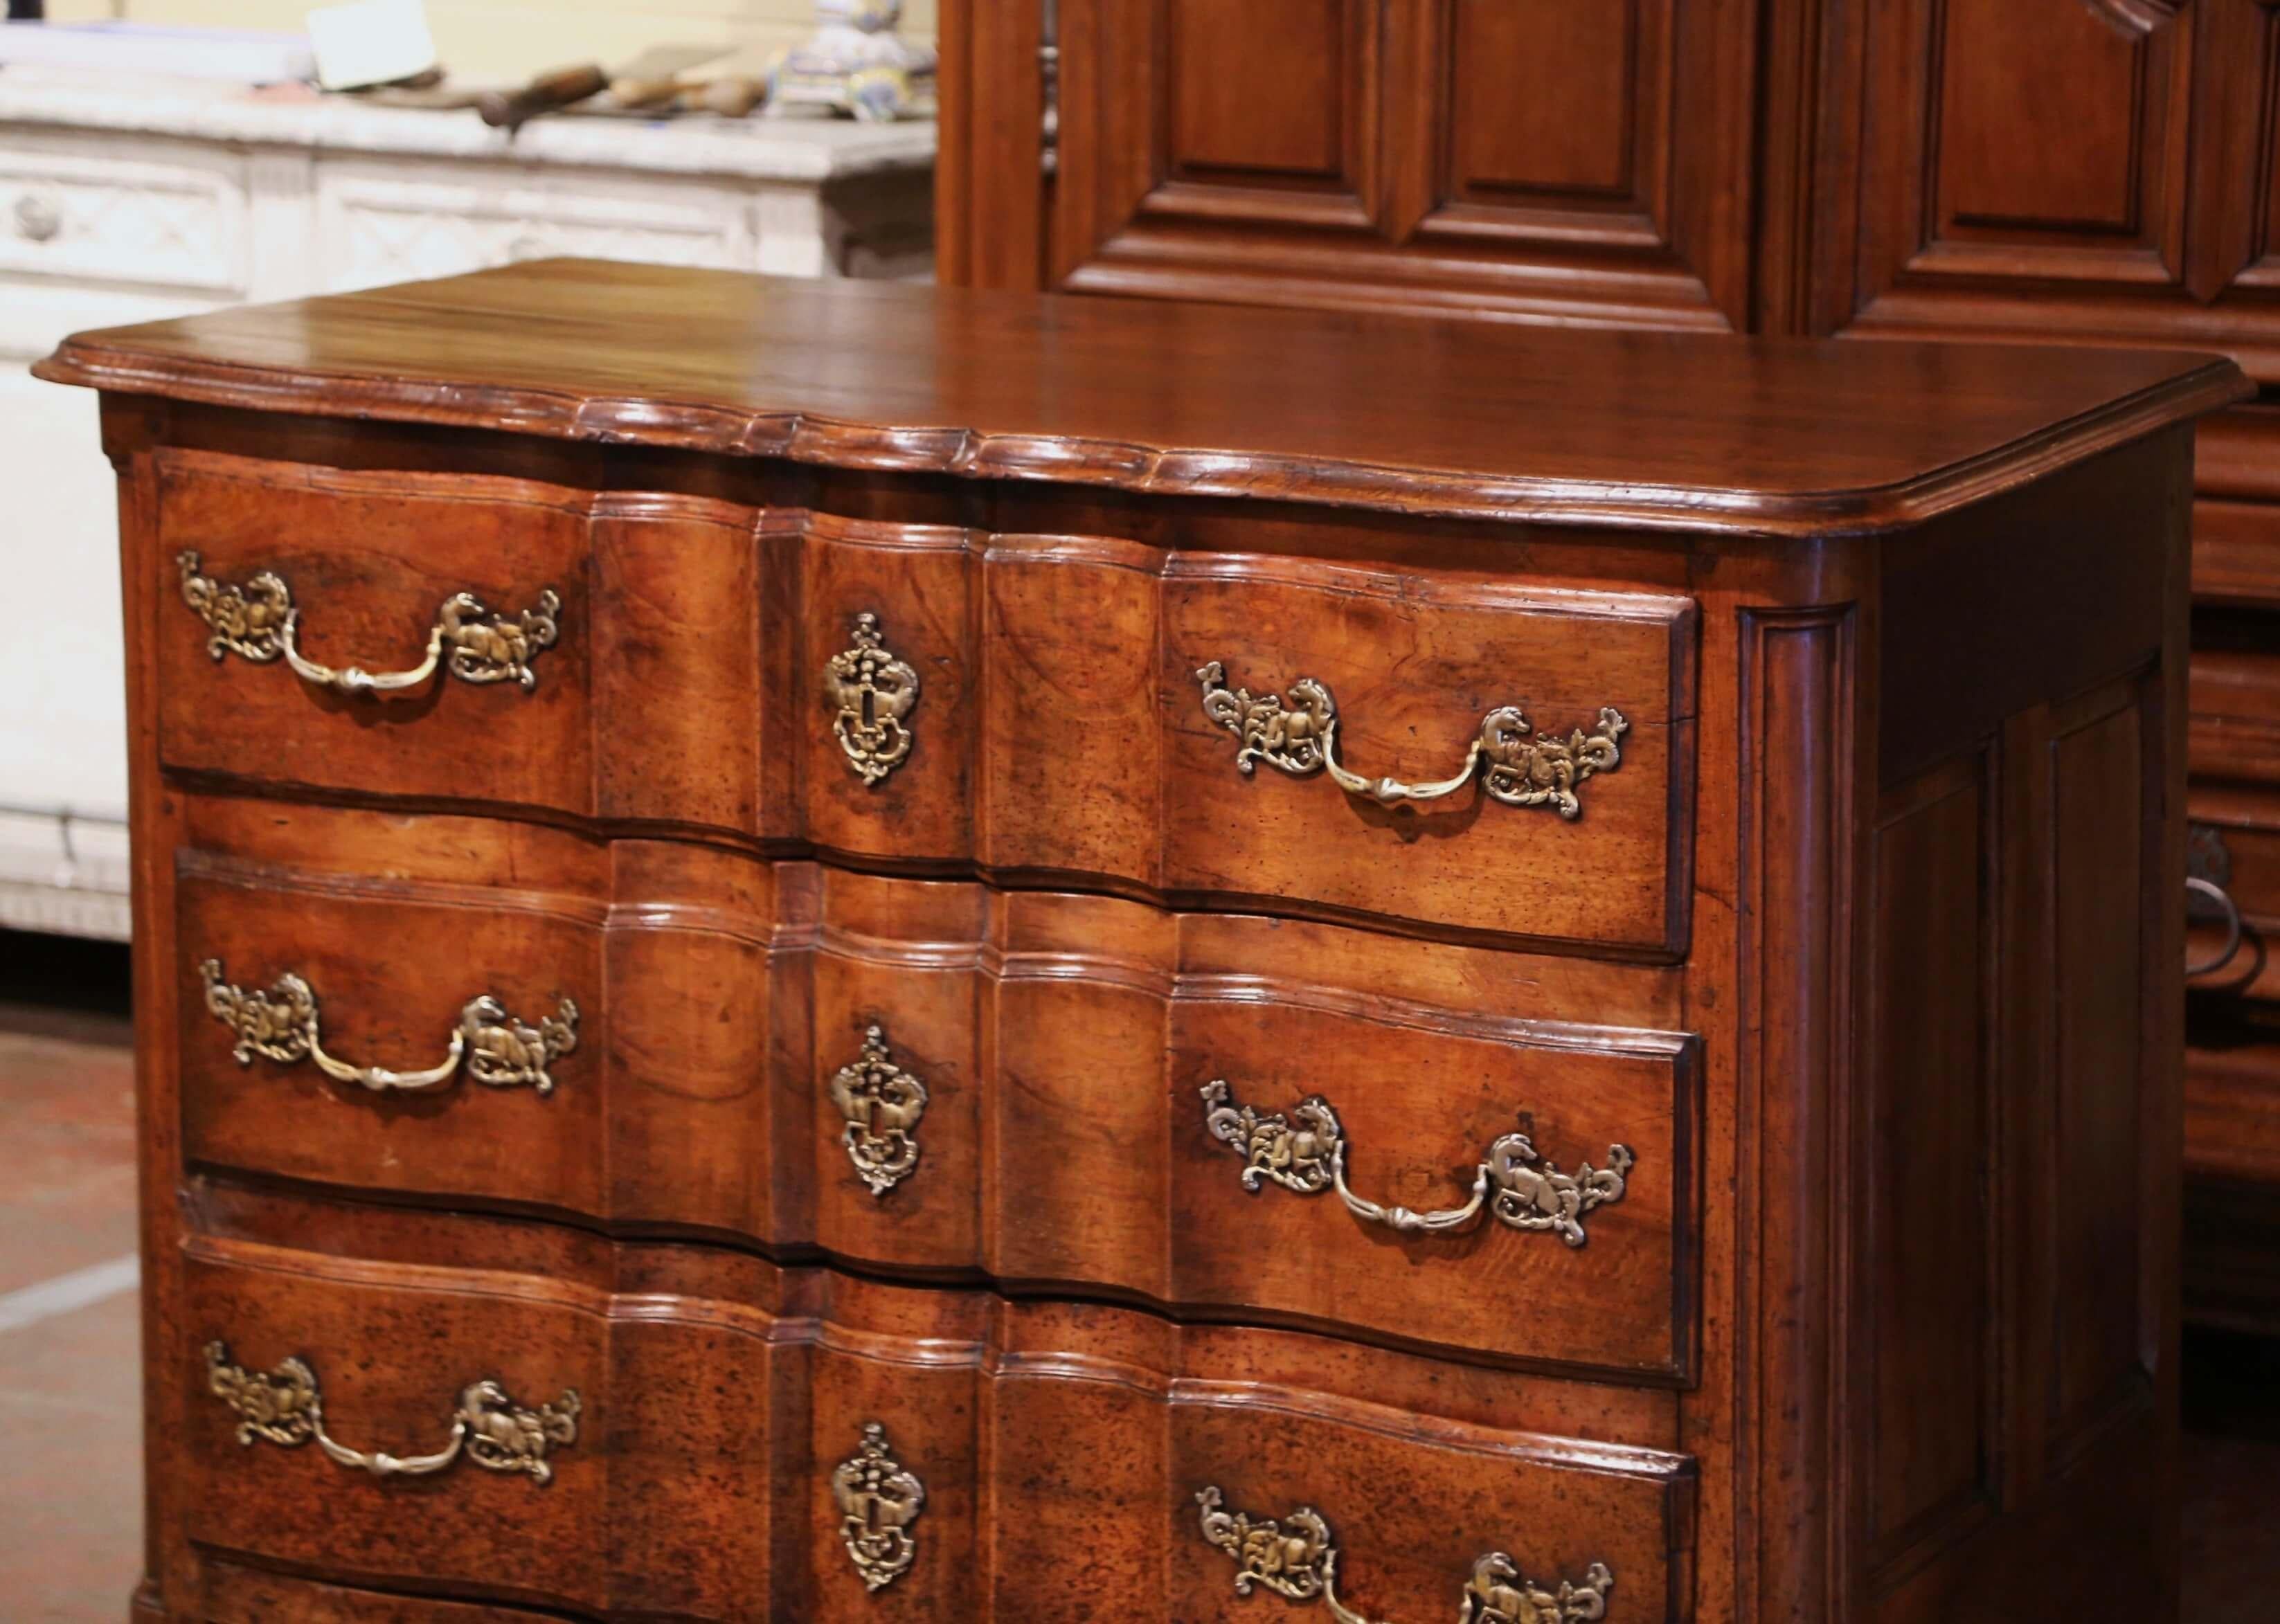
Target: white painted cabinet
126,203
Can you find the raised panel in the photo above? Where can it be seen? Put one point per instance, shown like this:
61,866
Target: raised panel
1571,128
2053,169
1260,88
1535,158
2098,829
2041,105
1928,1330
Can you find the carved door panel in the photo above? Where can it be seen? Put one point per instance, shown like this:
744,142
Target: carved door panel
2103,167
1536,158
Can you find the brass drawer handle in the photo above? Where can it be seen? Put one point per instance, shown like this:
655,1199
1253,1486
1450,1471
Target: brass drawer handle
1298,1558
878,1501
282,1406
883,1104
1309,1156
500,1051
258,620
1522,770
873,691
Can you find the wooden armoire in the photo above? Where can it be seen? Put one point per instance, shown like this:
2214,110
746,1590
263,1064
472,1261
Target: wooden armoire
2101,172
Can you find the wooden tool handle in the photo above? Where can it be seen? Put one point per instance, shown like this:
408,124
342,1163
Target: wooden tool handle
731,98
510,109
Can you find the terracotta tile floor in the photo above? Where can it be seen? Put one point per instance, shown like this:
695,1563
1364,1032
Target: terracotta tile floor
71,1412
70,1415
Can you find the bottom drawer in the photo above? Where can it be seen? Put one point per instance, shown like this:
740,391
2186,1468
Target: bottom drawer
638,1431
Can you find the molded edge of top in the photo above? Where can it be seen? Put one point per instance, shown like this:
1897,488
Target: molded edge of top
92,361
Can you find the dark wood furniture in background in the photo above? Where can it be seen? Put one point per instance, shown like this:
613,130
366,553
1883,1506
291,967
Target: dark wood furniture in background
923,1036
2044,170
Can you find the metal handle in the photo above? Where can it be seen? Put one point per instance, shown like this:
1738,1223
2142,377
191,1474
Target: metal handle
871,691
883,1104
878,1501
258,622
2230,911
38,219
1296,1557
500,1051
1309,1155
282,1406
1522,770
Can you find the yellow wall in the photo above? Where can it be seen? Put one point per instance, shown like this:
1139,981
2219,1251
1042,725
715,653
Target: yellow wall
498,40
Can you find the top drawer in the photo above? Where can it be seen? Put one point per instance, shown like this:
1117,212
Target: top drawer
1470,754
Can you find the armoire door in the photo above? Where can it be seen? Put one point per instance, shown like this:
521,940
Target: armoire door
2086,170
1575,160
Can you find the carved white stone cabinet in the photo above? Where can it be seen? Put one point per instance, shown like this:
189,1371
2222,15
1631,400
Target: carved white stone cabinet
121,201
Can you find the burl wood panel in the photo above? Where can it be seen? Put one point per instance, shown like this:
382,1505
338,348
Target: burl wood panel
1064,1041
1061,1447
1059,728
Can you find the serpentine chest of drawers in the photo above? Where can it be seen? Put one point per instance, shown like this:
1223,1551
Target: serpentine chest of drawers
870,953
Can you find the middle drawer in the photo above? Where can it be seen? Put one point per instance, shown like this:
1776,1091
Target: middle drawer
1229,1116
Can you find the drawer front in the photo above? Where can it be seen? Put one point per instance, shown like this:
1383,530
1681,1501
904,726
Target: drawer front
2232,1112
741,1443
172,215
344,573
336,1423
1565,829
2235,699
2236,552
1445,752
1224,1115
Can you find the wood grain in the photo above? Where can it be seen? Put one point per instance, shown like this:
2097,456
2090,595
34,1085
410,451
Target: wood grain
1902,634
1049,740
718,1394
1064,1041
1628,429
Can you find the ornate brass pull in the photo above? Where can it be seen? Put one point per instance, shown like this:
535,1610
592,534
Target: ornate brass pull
258,620
1298,1558
874,691
878,1502
1309,1155
1522,770
500,1051
282,1406
882,1105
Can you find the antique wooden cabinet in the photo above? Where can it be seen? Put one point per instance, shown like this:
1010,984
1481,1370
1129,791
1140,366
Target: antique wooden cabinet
818,953
2043,171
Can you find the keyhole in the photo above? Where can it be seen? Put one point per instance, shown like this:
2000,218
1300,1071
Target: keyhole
870,713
